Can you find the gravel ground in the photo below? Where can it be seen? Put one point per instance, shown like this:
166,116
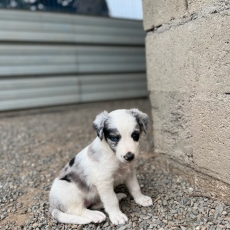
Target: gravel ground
33,149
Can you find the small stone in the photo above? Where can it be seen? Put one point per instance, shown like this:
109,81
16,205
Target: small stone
35,225
194,211
218,210
227,218
146,217
106,224
176,215
173,211
143,210
192,216
122,228
80,227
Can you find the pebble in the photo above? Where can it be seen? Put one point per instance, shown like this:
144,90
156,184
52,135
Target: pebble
122,228
35,225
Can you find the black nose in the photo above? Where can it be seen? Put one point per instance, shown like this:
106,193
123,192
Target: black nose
129,156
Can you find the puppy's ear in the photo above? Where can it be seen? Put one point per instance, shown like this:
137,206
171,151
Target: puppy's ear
99,122
142,118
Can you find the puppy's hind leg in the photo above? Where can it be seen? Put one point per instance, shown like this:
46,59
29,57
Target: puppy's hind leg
95,216
69,218
83,212
100,205
121,196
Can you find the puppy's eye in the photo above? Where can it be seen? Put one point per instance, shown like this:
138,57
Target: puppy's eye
135,135
113,138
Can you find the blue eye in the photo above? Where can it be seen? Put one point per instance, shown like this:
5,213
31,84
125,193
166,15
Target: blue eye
113,139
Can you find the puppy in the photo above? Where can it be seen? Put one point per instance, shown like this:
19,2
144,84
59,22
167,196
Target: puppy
88,180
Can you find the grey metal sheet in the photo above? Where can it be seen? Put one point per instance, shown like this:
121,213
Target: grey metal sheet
96,59
38,92
12,49
43,27
38,102
35,70
28,36
66,18
9,60
65,80
39,82
6,60
104,96
67,28
111,67
111,78
118,86
125,58
70,69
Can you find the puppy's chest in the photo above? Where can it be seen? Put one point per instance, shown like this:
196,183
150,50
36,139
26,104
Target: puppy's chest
122,173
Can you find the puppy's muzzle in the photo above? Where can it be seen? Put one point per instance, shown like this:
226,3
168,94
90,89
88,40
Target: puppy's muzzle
129,156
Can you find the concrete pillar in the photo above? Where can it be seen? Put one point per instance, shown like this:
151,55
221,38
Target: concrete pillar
188,69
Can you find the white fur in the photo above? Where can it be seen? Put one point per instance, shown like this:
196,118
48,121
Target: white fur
102,169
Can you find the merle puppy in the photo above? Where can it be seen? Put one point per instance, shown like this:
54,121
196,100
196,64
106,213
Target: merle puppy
87,182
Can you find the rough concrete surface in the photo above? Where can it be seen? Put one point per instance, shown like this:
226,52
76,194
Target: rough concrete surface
192,57
188,75
158,12
161,15
211,129
34,148
172,125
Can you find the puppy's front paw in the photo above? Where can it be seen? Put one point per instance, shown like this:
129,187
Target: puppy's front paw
144,201
119,218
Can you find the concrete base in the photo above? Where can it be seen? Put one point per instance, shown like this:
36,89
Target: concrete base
198,180
188,69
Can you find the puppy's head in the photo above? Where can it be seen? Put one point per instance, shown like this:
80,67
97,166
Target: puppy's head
121,129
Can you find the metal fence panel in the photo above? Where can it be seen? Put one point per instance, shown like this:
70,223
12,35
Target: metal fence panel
53,59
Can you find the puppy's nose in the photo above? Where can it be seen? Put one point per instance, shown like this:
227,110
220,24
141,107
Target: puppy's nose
129,156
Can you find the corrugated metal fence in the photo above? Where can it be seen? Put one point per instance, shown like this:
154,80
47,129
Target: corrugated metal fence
53,59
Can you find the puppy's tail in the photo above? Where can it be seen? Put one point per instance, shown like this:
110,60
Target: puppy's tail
69,218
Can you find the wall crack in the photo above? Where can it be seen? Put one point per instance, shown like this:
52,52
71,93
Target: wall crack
204,12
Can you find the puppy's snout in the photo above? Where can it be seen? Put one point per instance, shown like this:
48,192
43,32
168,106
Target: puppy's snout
129,156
